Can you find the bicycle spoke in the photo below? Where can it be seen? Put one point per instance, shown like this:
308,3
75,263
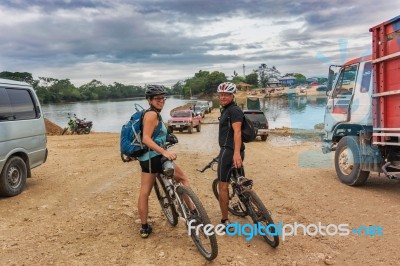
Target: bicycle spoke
260,214
194,210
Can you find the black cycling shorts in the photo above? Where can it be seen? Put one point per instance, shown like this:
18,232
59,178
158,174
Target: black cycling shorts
156,166
225,164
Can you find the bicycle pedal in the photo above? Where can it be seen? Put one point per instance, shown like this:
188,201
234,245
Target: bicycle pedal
236,208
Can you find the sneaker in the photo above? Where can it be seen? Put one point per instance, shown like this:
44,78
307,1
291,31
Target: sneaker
144,233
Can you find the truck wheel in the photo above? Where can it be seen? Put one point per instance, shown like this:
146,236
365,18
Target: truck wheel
190,129
13,177
264,137
347,162
198,128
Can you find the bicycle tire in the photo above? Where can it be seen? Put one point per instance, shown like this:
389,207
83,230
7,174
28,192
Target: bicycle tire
207,245
165,200
259,213
236,207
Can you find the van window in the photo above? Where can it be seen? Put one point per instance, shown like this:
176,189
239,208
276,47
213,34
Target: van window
21,104
5,107
16,105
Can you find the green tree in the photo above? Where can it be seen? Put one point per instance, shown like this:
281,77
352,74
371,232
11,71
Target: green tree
252,79
214,79
177,88
238,79
93,90
296,75
266,73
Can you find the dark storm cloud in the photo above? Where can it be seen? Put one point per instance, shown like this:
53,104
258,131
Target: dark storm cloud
59,33
48,5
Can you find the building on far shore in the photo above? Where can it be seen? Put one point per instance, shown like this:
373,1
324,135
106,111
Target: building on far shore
287,81
273,82
244,86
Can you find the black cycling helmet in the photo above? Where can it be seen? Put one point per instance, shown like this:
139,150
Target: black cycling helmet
153,90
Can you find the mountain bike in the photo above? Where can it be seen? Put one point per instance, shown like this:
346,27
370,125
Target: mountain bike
243,201
179,201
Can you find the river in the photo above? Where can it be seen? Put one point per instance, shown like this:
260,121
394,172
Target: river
108,116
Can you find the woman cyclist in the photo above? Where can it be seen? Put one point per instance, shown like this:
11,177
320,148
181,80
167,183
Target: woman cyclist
150,162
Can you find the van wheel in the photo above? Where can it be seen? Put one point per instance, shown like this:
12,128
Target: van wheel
348,162
13,177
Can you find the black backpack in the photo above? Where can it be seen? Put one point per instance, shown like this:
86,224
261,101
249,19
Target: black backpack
249,132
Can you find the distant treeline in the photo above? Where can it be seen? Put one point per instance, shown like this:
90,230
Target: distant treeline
50,90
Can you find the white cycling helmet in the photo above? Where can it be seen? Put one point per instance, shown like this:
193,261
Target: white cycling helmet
227,87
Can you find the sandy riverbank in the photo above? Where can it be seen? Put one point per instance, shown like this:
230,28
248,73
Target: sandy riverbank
79,208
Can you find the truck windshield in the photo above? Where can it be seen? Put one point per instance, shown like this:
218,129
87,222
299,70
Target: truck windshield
346,81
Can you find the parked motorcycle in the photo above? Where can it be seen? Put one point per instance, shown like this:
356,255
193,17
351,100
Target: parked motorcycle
71,127
77,125
83,126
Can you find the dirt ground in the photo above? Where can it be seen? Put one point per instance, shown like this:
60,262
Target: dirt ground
80,208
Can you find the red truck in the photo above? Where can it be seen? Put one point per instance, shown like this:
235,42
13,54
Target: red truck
362,116
184,120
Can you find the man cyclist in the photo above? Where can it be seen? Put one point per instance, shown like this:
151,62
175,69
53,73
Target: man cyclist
230,141
150,162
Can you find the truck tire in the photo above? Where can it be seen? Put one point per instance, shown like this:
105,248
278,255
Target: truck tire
264,137
190,129
13,177
198,128
347,162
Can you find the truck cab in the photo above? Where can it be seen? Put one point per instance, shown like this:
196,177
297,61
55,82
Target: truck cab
362,116
349,101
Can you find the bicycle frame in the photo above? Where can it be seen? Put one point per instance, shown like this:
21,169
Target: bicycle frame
247,201
171,183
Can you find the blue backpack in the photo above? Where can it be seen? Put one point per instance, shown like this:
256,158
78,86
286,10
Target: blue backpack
131,134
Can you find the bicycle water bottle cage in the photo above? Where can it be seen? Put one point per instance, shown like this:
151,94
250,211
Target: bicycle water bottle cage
245,182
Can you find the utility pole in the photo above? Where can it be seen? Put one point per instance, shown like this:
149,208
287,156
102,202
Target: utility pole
244,71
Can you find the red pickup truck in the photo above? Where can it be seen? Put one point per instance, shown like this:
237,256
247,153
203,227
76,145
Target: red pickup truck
184,120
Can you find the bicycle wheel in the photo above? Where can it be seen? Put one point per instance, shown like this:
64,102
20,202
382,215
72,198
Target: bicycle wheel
206,244
260,214
165,201
236,207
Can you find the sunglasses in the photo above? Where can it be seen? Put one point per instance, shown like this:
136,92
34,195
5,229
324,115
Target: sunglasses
159,99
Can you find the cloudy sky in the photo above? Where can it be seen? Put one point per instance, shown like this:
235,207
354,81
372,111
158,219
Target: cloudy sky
163,41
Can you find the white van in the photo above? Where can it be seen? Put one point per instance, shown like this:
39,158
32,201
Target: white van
22,135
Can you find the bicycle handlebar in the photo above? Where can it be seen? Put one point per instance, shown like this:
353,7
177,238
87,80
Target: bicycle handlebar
209,165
